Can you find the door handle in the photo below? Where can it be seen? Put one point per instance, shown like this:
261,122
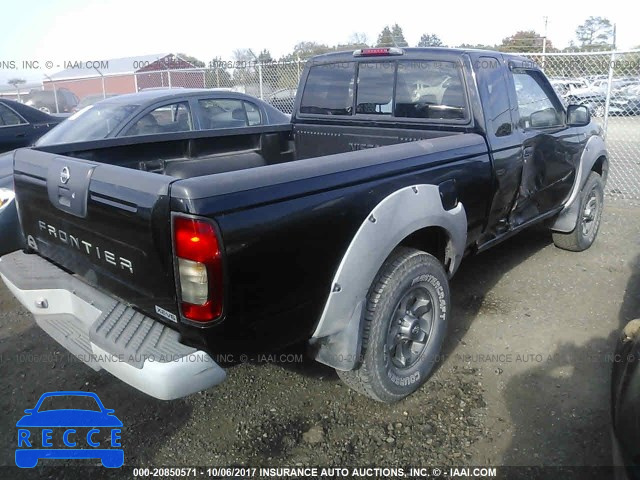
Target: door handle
20,135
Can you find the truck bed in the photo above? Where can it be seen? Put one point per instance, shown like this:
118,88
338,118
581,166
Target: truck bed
116,233
195,154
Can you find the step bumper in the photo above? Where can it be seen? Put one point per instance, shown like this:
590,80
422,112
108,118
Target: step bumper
106,333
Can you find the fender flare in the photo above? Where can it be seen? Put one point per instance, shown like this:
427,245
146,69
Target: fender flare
336,339
568,218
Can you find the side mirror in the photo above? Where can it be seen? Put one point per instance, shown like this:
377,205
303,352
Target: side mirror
578,116
547,117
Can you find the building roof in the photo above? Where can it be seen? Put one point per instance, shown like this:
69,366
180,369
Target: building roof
115,66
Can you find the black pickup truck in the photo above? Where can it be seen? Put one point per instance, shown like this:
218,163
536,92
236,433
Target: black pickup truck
152,257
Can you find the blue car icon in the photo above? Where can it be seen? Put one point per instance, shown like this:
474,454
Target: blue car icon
69,433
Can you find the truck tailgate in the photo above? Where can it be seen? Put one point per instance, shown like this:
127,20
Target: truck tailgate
107,224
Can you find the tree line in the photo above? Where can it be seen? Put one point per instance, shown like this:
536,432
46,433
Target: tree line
594,34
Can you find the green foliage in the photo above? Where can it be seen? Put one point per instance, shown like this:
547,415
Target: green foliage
596,33
525,41
398,36
478,46
391,37
429,40
16,81
265,56
385,39
305,50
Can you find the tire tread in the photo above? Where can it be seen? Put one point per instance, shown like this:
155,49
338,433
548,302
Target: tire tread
572,241
362,378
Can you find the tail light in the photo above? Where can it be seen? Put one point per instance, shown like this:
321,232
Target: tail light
200,271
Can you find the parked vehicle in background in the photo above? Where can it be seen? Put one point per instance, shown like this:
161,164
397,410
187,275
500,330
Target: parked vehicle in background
149,112
625,403
340,229
10,235
565,87
283,99
592,78
600,87
21,125
627,100
90,100
164,110
45,100
623,98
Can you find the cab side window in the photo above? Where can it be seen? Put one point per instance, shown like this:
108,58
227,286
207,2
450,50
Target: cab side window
8,118
172,118
537,108
222,113
493,89
430,90
253,114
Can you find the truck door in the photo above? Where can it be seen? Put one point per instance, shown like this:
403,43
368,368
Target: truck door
503,140
550,150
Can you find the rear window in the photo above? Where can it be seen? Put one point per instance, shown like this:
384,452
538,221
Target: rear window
375,88
228,113
94,122
329,89
429,90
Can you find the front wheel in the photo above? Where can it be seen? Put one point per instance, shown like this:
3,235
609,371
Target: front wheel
404,325
591,205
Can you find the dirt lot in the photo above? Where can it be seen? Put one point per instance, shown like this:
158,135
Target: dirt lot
524,380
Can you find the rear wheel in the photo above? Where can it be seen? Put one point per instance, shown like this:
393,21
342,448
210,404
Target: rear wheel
404,325
591,205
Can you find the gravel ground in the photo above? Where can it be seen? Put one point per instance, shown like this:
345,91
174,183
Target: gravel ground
524,378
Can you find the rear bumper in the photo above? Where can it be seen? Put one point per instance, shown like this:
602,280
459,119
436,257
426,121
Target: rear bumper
105,333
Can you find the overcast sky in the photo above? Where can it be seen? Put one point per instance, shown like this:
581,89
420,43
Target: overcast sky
80,30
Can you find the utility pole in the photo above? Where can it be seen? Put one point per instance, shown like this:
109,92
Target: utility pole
104,92
55,92
544,42
261,87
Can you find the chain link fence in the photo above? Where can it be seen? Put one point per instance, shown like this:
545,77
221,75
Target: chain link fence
274,82
607,82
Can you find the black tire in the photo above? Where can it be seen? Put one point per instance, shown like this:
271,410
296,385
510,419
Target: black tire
392,315
589,216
